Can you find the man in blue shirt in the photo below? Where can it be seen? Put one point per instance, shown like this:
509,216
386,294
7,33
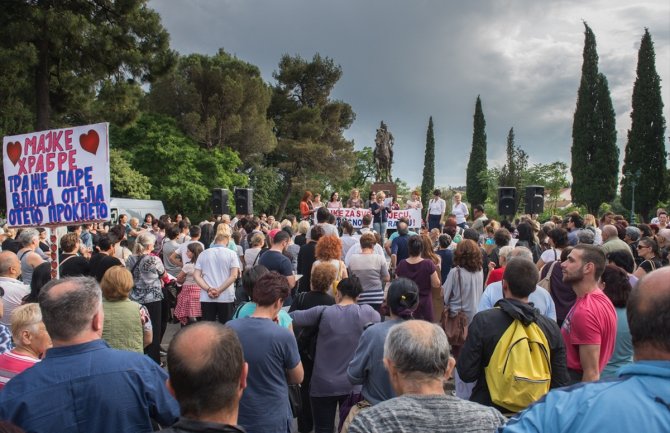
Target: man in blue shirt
540,298
639,399
82,385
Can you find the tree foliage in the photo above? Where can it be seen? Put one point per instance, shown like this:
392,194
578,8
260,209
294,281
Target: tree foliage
475,186
70,50
428,182
219,101
512,173
180,172
309,125
125,181
595,155
645,155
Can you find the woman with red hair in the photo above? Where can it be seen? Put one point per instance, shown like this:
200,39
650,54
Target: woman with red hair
306,207
329,250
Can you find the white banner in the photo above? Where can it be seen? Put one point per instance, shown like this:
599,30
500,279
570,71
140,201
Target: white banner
355,216
57,177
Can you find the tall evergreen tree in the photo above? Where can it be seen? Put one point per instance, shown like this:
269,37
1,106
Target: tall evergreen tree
475,185
512,173
595,156
645,155
428,183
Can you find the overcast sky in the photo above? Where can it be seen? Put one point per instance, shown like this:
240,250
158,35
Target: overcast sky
404,61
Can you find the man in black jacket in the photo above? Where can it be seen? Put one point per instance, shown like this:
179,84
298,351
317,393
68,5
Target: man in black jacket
488,326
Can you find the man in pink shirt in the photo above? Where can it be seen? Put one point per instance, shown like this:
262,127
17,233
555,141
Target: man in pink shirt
589,329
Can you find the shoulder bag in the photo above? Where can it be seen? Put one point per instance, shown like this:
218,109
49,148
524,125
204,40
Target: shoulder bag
546,281
455,327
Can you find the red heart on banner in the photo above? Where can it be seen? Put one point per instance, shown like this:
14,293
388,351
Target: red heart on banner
14,151
89,142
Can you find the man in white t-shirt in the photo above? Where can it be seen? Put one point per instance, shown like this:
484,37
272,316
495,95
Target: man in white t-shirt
15,290
216,270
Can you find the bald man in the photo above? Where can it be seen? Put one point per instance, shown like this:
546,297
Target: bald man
15,290
639,399
82,384
207,377
611,241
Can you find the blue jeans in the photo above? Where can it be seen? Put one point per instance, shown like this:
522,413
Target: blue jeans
381,229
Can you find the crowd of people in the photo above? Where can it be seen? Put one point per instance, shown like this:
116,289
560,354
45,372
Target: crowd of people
314,319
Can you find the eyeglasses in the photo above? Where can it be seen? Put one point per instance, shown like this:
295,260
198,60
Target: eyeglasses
639,247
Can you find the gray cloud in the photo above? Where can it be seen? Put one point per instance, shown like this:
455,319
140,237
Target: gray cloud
404,61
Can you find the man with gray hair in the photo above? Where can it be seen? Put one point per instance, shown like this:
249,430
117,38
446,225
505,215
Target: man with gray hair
30,241
540,298
416,355
611,241
82,384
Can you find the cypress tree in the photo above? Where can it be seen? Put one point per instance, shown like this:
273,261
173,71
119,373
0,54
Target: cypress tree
428,182
475,185
595,156
645,155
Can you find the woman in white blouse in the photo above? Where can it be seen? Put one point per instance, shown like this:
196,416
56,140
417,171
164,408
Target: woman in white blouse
460,210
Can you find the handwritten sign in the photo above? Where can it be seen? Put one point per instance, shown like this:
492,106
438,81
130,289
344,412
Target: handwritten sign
57,177
355,216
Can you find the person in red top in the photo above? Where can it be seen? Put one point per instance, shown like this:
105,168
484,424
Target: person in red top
30,338
306,207
589,329
496,274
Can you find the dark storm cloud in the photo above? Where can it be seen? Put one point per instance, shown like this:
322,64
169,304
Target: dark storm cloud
405,61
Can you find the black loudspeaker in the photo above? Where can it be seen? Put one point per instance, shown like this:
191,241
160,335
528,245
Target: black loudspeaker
506,201
534,199
219,201
244,201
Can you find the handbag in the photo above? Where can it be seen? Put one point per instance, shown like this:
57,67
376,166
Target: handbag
295,399
545,282
456,327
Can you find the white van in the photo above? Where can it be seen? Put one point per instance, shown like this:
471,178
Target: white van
134,208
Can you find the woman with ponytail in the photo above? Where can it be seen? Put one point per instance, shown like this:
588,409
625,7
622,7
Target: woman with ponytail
367,366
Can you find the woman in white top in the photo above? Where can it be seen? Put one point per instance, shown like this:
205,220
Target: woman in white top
329,250
414,202
436,209
558,240
460,211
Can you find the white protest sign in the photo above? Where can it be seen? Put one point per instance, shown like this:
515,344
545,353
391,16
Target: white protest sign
57,177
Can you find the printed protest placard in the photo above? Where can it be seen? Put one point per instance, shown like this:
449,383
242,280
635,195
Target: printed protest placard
355,216
57,177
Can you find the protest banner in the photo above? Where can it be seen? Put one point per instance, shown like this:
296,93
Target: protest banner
57,177
355,216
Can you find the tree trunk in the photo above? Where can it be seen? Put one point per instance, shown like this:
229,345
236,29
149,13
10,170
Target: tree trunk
43,105
284,201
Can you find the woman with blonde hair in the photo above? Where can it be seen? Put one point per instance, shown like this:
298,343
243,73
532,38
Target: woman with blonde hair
127,325
355,201
31,341
148,271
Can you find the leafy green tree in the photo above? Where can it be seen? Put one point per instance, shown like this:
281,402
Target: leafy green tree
595,155
475,187
309,124
645,155
428,182
124,179
552,176
180,172
512,173
219,101
72,47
